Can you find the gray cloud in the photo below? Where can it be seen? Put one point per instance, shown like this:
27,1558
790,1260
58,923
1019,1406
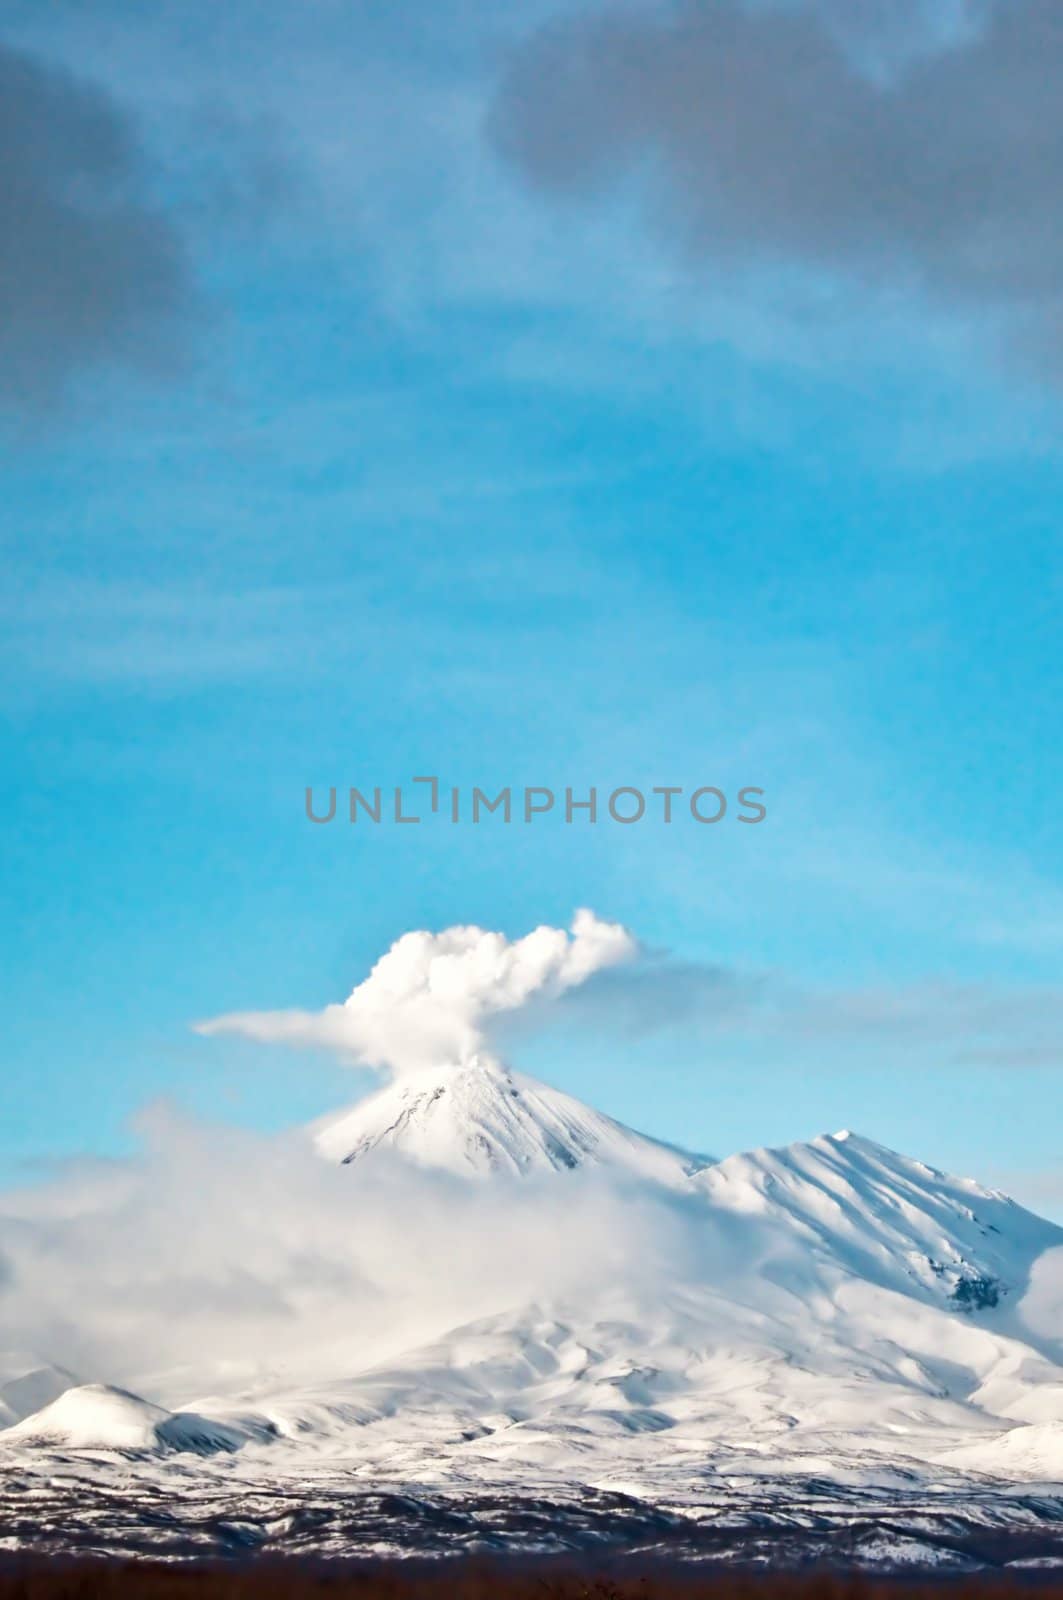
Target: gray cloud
939,1022
657,993
761,135
90,272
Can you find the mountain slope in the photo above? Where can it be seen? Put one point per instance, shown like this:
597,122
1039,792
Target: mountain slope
27,1384
887,1219
829,1296
479,1119
834,1296
825,1324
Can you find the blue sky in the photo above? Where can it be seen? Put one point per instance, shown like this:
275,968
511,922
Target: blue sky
444,464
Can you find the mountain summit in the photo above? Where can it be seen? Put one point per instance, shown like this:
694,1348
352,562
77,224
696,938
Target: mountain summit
479,1118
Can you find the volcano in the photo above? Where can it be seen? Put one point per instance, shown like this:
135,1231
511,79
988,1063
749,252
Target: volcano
802,1342
481,1119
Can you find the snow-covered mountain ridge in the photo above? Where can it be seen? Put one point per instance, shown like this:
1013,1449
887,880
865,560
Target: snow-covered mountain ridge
830,1310
892,1220
889,1219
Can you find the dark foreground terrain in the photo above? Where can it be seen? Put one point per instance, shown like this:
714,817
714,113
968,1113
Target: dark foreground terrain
473,1580
74,1510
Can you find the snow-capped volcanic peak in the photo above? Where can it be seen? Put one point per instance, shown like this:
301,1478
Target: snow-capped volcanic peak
479,1118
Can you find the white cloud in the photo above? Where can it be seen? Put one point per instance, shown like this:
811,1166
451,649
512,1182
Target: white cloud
430,998
1042,1305
279,1264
